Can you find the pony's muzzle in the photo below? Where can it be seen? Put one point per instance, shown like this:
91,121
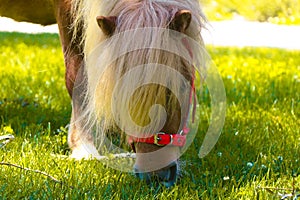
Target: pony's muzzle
166,176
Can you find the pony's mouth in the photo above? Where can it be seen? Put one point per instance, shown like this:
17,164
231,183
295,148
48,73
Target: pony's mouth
166,176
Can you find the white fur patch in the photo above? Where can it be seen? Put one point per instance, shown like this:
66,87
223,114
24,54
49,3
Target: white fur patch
85,151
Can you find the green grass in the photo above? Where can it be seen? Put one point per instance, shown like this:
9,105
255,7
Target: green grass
278,11
259,145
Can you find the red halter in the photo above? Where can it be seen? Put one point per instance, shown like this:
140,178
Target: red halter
163,139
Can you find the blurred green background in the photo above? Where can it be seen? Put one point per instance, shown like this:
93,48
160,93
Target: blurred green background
274,11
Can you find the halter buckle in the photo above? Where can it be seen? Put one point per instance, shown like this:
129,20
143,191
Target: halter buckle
157,139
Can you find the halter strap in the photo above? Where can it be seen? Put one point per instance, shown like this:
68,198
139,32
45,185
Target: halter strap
161,139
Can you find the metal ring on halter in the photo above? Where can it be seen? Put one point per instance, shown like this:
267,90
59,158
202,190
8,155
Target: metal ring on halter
181,132
171,139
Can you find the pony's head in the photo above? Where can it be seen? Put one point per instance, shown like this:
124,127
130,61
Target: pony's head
141,77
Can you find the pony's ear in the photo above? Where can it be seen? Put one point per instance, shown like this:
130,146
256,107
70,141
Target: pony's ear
107,24
181,21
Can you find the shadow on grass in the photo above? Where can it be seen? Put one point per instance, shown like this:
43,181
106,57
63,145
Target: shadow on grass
36,98
21,113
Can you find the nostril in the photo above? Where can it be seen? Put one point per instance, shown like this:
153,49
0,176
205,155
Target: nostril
143,176
170,175
166,176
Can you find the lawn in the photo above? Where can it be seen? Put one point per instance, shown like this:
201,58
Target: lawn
259,146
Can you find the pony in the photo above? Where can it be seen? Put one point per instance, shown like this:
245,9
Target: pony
34,11
130,68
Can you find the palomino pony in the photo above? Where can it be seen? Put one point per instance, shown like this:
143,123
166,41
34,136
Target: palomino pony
125,60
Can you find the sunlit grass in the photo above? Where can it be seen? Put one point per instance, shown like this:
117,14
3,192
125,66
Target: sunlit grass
32,80
259,145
